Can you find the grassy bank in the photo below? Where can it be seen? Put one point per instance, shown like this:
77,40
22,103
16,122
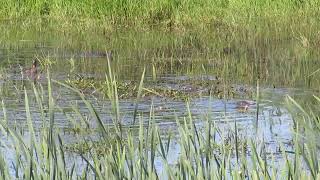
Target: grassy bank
169,13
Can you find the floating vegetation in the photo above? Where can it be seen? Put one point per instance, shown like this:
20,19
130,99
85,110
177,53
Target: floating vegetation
84,84
180,89
100,148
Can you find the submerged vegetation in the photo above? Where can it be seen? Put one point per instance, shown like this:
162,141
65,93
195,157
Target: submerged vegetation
179,89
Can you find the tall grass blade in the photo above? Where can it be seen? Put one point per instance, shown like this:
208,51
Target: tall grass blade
91,109
138,97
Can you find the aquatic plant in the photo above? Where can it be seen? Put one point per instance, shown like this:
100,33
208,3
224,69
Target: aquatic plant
84,84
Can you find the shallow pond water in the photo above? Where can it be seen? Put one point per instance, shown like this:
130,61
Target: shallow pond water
175,63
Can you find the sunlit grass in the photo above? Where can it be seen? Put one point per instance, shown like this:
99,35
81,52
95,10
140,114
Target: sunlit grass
178,14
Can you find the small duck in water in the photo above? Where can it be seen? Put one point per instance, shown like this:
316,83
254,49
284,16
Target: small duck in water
243,106
33,73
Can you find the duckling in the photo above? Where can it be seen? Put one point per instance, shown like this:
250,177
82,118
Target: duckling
33,72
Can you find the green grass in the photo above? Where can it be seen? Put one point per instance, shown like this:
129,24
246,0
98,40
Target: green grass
168,14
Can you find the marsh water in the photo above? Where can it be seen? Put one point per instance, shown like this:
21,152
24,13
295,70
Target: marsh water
188,64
